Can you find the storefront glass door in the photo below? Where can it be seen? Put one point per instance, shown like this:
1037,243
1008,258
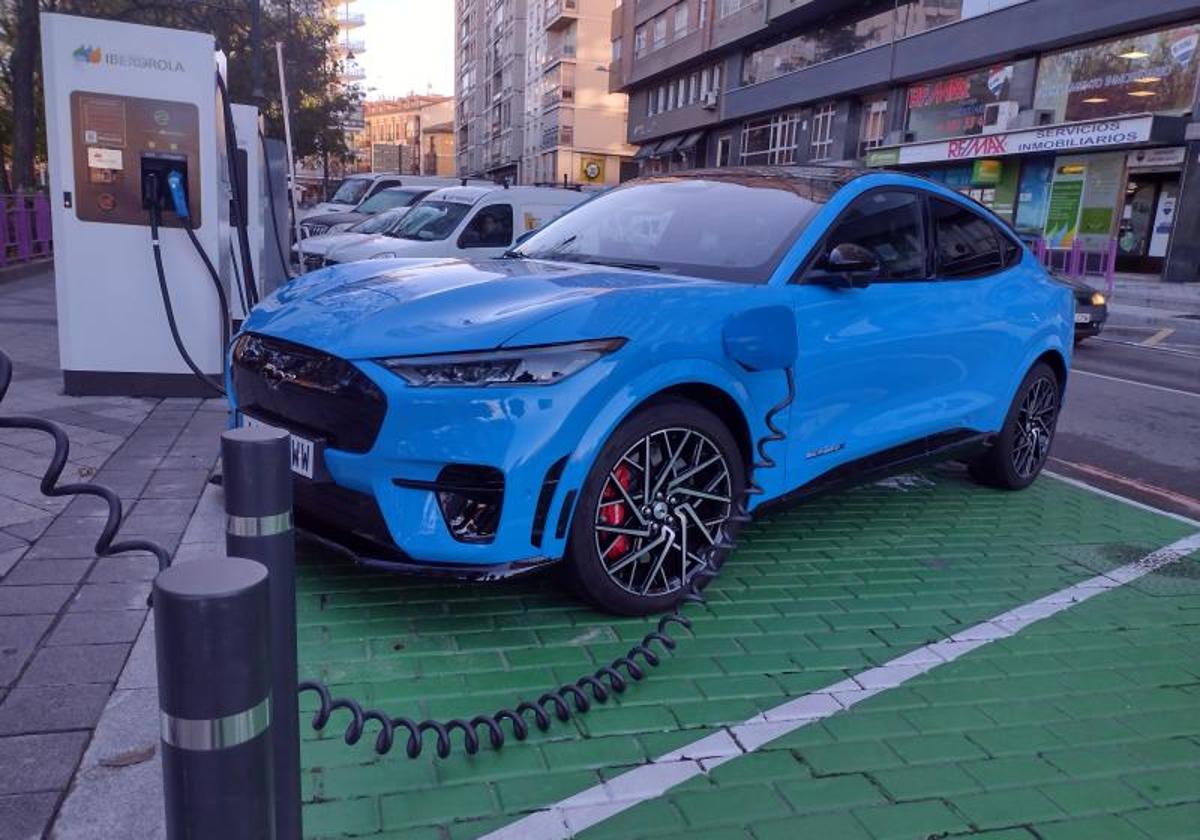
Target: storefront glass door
1146,219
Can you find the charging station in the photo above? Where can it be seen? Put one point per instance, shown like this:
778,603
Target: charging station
139,171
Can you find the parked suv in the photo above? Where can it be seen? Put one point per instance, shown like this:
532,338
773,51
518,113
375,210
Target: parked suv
355,189
598,397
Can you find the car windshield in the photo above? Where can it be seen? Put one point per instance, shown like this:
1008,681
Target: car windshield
379,223
351,191
728,226
431,220
386,200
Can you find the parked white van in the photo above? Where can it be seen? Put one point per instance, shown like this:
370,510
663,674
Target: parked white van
463,221
356,188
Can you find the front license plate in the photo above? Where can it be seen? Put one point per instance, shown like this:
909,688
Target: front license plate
1083,318
304,452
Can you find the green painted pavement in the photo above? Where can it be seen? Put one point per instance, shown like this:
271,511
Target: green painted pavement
1096,706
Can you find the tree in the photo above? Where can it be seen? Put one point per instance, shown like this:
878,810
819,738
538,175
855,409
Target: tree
319,102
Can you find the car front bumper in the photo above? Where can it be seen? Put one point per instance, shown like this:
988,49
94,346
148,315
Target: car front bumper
1093,319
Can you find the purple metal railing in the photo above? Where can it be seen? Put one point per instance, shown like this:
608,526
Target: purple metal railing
1078,261
24,227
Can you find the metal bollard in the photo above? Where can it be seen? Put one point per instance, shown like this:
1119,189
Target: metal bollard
214,690
256,464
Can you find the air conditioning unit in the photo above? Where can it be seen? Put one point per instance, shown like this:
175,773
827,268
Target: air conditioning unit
998,116
709,101
1033,119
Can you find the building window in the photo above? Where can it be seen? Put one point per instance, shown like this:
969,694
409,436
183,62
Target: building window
873,128
651,100
822,43
660,30
693,88
680,23
770,140
616,49
703,13
727,7
639,41
662,98
821,142
723,144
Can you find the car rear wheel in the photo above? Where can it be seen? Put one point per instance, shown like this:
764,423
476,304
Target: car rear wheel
1023,445
658,493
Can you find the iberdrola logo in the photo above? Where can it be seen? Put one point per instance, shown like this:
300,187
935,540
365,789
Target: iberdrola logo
88,55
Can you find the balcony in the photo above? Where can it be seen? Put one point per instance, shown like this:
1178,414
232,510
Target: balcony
353,74
565,52
560,135
562,94
351,20
348,47
561,13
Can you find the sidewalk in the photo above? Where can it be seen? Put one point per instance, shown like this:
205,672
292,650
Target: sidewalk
68,619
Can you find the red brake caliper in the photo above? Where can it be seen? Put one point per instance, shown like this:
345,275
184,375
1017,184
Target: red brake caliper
614,514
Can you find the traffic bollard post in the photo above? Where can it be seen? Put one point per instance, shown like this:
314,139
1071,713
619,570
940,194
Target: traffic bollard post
257,479
213,650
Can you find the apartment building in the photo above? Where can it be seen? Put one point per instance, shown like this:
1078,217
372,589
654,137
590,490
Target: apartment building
534,103
1072,119
489,87
396,129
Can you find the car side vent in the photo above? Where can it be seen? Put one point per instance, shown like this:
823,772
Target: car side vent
545,497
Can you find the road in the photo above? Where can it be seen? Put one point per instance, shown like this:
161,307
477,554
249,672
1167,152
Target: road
1131,420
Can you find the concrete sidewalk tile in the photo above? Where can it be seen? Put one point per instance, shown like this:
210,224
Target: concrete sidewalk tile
927,782
52,708
33,600
97,628
48,570
25,816
36,763
999,809
1175,821
19,637
1090,828
75,665
909,819
836,793
102,597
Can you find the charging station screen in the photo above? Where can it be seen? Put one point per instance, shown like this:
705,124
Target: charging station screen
112,135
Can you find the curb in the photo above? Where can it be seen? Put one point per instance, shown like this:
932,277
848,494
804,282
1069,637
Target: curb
19,271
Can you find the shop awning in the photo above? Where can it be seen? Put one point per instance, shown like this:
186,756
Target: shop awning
646,151
669,145
691,141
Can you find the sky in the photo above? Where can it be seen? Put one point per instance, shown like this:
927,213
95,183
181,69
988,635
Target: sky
409,46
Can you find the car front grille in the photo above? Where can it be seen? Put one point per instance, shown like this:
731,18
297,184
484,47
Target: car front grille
307,391
307,230
313,261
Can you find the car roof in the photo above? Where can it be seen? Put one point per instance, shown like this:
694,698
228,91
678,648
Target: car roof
473,194
816,183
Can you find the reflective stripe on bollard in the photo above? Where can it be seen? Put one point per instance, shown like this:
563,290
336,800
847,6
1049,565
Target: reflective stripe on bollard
213,650
256,465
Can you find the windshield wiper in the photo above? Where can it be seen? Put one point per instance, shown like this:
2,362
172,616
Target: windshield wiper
513,254
635,266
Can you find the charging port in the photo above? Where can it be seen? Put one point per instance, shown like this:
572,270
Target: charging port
164,186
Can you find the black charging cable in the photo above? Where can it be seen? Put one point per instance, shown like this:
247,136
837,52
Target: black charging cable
49,486
572,697
239,199
155,221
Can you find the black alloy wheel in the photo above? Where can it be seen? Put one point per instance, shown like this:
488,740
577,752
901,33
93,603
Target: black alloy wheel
657,497
1023,445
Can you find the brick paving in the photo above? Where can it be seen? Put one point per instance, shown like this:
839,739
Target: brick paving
1084,725
67,618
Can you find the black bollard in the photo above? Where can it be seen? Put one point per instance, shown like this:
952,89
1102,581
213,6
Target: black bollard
256,463
213,648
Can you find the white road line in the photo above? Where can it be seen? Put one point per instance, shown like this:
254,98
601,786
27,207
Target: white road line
1165,332
1079,372
1083,485
572,815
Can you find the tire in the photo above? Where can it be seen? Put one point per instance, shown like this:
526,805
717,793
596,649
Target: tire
646,572
1023,444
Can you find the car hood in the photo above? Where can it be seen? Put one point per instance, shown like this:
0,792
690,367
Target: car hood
368,247
402,307
337,218
323,207
326,242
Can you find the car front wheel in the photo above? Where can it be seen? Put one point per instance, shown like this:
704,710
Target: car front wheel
657,495
1023,444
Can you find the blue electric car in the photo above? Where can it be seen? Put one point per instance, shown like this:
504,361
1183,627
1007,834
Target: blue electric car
595,397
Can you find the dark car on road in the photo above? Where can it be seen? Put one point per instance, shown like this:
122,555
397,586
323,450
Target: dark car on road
1091,307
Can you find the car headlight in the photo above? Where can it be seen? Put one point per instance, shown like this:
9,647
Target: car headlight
1097,299
541,365
386,255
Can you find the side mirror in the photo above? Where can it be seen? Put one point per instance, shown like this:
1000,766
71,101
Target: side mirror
850,265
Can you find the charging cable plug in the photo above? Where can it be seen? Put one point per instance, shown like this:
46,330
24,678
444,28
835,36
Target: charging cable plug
178,193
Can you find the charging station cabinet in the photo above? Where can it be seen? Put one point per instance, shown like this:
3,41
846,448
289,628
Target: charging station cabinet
122,101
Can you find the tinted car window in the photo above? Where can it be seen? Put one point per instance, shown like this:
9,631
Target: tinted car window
351,191
388,199
492,227
734,228
431,220
380,222
889,224
967,244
